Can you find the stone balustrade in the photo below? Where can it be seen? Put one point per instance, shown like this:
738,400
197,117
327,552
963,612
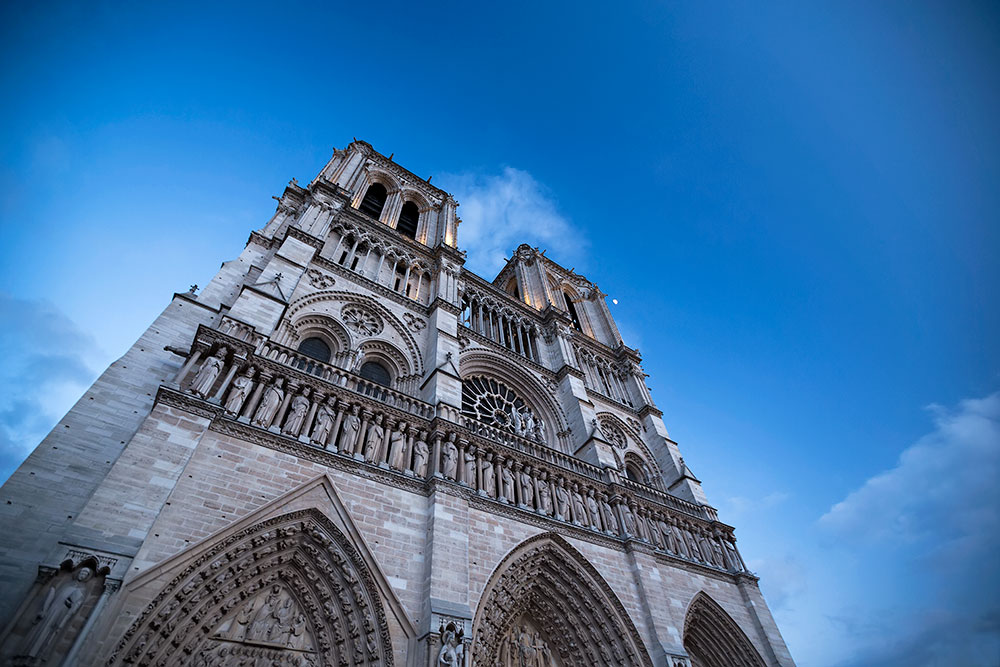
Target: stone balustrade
328,408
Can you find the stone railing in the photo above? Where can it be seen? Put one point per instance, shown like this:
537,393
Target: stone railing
339,414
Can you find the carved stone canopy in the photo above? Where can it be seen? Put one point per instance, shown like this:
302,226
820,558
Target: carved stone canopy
546,585
291,589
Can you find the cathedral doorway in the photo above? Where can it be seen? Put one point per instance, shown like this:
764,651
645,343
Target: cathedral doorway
712,638
546,606
290,591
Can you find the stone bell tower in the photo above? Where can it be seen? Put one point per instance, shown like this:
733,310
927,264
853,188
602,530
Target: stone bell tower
350,450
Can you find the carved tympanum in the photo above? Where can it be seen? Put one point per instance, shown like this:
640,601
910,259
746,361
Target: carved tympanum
713,639
288,591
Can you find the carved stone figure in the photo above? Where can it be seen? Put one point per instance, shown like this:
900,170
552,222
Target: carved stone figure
349,431
488,475
527,488
264,622
269,405
207,374
297,413
421,452
469,471
239,391
452,653
540,431
610,521
526,650
324,421
450,455
669,541
562,501
629,519
595,512
507,476
61,603
579,509
544,494
373,440
397,447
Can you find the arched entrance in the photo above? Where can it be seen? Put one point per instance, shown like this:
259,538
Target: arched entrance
290,590
546,605
712,638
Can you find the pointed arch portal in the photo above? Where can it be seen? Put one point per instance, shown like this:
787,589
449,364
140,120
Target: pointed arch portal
290,590
713,639
545,604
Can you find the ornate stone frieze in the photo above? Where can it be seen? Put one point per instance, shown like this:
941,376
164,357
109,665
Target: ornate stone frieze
320,280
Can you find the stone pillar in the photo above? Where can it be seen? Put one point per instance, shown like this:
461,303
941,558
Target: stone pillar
358,448
280,416
251,405
217,398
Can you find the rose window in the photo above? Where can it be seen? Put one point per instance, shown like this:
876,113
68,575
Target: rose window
494,403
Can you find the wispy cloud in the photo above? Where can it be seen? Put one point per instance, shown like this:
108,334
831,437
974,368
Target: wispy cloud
503,210
935,518
48,363
739,505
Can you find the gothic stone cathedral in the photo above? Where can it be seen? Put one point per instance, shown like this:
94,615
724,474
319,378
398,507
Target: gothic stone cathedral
348,450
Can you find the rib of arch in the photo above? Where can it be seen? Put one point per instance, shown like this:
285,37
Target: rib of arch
547,585
292,589
713,639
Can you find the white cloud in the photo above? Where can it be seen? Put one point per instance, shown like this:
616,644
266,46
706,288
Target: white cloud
739,505
48,363
501,211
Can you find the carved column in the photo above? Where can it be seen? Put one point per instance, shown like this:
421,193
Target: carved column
477,483
435,464
251,406
279,417
460,468
408,451
186,368
233,367
382,455
340,407
307,425
518,491
358,448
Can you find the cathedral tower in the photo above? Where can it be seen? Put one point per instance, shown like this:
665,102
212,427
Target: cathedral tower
349,450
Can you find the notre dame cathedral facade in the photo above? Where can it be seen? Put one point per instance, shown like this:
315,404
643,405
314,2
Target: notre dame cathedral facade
349,450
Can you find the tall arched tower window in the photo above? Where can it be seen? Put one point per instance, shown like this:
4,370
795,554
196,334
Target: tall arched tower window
408,220
374,200
572,311
376,372
315,348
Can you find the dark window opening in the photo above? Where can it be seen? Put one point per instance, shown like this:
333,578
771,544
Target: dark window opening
374,200
343,257
633,473
408,217
376,372
354,264
513,289
315,348
572,312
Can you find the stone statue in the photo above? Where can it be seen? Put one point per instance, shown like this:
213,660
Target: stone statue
579,508
373,440
562,501
60,605
324,422
349,431
610,521
595,511
202,384
469,471
681,544
269,405
265,620
240,390
529,423
452,653
515,416
669,541
397,447
488,475
527,488
629,519
297,413
540,430
450,465
526,651
507,476
421,452
544,495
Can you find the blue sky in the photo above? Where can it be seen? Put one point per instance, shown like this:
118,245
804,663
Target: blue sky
795,204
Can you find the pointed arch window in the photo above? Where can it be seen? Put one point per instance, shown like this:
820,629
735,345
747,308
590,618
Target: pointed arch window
408,218
374,200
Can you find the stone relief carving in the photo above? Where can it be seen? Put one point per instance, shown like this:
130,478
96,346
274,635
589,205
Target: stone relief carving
291,590
320,280
414,322
361,320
